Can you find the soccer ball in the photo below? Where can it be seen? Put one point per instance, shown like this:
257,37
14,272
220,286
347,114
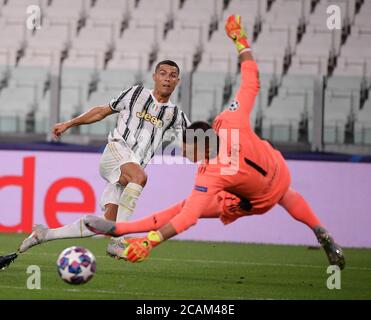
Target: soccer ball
76,265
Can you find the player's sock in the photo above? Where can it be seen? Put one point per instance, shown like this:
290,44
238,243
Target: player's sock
128,201
76,229
299,209
152,222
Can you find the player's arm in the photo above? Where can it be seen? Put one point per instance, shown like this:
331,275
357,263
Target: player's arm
95,114
197,202
249,87
188,216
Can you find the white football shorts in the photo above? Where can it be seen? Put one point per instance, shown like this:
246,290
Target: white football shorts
114,156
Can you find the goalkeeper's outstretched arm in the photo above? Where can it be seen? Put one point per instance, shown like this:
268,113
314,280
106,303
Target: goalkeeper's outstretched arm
249,87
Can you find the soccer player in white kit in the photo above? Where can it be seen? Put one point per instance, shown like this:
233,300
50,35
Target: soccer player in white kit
146,118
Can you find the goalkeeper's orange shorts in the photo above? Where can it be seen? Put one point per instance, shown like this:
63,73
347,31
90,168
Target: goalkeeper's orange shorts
234,207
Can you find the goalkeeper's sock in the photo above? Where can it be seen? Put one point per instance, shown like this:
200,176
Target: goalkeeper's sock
76,229
152,222
237,33
299,209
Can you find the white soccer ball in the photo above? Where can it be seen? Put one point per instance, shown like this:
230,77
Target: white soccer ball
76,265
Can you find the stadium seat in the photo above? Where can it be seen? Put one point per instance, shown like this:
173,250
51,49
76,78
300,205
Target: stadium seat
110,10
206,103
353,66
67,9
103,96
249,9
96,35
16,101
13,38
309,65
199,11
207,95
159,11
118,79
338,105
355,57
362,19
362,125
128,46
281,119
72,101
288,12
219,62
346,83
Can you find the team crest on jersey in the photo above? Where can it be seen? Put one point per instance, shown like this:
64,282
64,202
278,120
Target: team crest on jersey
234,106
155,107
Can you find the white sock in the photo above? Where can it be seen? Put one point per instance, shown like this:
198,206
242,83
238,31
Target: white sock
128,201
76,229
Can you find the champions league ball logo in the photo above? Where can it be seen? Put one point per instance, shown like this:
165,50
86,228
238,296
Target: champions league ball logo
234,106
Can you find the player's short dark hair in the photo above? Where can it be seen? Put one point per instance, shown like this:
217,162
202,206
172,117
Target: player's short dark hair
198,125
211,138
169,63
204,126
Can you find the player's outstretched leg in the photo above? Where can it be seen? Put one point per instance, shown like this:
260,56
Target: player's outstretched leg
299,209
334,252
99,225
42,234
116,248
37,236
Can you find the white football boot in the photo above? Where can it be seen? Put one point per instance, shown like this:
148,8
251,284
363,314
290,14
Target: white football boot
36,237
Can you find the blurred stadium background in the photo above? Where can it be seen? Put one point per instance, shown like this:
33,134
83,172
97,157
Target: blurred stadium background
314,104
315,82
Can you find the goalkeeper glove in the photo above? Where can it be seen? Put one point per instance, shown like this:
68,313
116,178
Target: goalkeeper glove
237,33
139,248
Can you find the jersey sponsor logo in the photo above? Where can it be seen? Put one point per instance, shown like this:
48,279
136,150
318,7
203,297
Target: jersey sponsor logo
150,118
234,106
200,188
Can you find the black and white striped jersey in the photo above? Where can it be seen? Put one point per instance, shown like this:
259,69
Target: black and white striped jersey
144,123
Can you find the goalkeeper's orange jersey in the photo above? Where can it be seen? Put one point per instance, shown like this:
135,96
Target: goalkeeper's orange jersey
256,172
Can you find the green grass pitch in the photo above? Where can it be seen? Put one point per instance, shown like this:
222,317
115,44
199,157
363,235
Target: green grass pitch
190,270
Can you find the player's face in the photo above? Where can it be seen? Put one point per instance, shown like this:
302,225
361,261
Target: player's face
166,79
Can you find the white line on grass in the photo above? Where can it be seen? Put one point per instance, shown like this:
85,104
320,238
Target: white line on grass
134,293
226,262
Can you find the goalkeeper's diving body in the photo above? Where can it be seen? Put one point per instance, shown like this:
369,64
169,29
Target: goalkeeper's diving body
261,181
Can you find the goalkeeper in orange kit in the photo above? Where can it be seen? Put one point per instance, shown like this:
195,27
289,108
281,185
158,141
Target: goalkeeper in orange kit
258,180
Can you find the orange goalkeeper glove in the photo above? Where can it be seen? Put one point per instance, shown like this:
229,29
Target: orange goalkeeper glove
237,33
138,249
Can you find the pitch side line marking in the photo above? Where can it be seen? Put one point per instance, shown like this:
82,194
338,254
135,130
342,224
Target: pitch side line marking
224,262
258,263
128,292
